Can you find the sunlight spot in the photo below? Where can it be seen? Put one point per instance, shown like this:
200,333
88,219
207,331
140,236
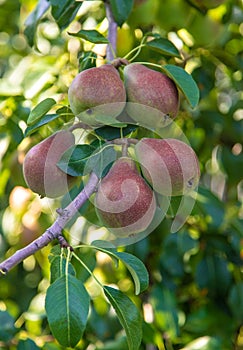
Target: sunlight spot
186,37
148,313
29,263
174,38
138,33
238,115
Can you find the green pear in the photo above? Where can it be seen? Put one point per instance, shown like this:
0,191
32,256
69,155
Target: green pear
124,201
153,96
40,170
169,165
97,94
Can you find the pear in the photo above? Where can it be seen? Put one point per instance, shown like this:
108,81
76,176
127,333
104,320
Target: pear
169,165
40,170
124,201
97,94
152,96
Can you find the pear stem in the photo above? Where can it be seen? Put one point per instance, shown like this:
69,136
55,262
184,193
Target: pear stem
122,141
55,230
112,34
125,149
79,125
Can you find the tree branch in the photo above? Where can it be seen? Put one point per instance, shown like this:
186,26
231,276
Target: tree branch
64,215
55,230
112,33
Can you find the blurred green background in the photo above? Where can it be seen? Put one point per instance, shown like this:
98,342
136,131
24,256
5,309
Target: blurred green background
195,298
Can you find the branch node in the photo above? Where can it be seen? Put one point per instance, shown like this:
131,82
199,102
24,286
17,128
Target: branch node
63,243
3,271
59,211
62,212
118,62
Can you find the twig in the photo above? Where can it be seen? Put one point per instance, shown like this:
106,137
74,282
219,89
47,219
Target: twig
55,230
64,215
112,33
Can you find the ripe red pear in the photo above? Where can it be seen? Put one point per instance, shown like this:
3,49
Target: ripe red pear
124,201
97,92
40,170
169,165
153,96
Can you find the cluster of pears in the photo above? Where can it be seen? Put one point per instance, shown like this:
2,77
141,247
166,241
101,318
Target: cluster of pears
99,92
125,200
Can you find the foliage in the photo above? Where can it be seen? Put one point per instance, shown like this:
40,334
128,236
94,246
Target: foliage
192,296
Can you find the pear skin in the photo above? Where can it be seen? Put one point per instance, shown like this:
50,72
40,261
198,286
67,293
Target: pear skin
169,165
40,170
124,201
97,93
151,94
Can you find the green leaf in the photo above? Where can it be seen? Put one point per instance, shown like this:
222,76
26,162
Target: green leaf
107,248
67,306
87,60
40,110
80,160
16,132
128,316
64,111
180,244
187,203
184,81
120,343
232,164
235,301
137,270
44,120
210,318
91,35
101,161
163,46
121,10
134,265
7,329
164,303
33,20
27,344
211,207
88,257
64,11
212,273
111,133
56,250
103,244
58,267
73,161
